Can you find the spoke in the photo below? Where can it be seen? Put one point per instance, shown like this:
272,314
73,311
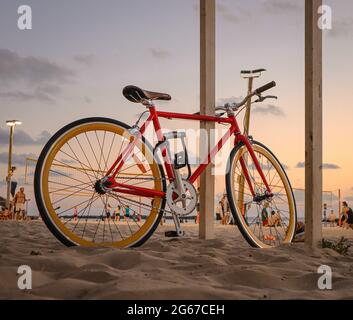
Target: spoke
131,166
101,148
89,163
76,205
71,218
67,186
66,176
121,147
127,218
121,236
260,222
110,150
83,212
100,219
135,212
70,195
88,214
94,154
81,164
137,176
61,163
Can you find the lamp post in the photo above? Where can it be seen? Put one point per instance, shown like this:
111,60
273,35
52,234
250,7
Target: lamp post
12,124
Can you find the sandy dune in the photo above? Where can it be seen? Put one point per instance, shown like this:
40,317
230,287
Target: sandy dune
224,268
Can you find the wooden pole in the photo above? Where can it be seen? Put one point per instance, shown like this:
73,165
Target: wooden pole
208,102
313,123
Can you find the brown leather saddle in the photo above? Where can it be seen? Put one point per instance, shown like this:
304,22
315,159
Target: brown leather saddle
138,95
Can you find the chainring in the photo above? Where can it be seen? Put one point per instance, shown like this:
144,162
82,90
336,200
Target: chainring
182,204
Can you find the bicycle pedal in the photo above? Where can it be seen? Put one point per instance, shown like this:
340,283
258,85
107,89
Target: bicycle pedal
173,234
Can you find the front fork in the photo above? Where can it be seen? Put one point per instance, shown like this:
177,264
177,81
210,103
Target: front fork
243,162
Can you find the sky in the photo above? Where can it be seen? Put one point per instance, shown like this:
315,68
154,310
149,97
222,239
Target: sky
80,54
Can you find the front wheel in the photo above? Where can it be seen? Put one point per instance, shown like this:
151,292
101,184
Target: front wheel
73,209
264,222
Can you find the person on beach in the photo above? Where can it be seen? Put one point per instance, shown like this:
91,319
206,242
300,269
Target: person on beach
107,212
343,219
332,218
219,212
117,214
127,213
275,219
19,203
223,205
75,214
264,214
349,215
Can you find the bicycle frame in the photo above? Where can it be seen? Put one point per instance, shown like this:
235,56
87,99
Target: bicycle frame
154,118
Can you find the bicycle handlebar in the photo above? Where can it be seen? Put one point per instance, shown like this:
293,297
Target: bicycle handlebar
264,88
235,106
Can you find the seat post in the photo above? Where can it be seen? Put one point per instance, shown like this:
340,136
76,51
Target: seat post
248,105
250,75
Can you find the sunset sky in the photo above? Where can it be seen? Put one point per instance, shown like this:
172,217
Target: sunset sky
80,54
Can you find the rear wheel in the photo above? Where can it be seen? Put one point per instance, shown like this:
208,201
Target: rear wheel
264,223
69,166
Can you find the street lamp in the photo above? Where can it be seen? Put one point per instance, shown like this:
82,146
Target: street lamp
12,124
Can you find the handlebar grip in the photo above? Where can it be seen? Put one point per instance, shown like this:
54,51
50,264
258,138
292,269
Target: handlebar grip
265,87
252,71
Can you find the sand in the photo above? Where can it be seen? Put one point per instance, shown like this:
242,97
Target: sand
164,268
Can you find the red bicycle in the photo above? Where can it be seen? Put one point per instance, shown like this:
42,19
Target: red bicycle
99,182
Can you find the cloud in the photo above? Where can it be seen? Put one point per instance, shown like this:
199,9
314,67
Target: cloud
22,138
17,159
24,79
27,96
30,70
267,167
325,166
282,6
50,89
269,110
223,101
85,59
330,166
160,53
300,165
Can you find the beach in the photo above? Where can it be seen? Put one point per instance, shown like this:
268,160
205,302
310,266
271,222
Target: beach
169,268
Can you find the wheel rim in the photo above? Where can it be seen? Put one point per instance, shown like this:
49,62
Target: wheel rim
267,223
74,163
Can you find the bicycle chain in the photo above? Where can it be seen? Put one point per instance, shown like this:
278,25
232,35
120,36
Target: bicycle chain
139,203
144,179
